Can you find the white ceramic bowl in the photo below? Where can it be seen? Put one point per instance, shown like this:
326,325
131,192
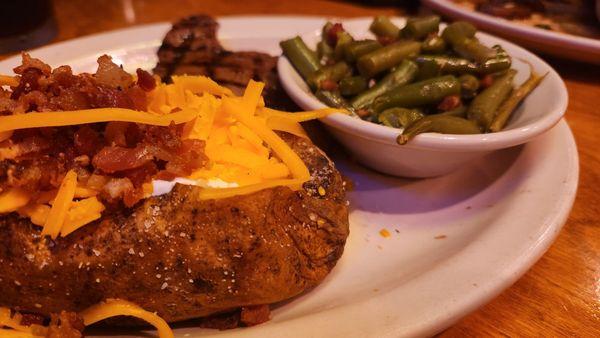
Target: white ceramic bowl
433,154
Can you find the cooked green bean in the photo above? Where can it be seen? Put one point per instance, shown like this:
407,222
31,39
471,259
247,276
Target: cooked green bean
383,26
460,111
444,124
473,50
434,44
501,62
456,32
324,51
404,73
356,49
427,69
343,39
418,28
484,106
325,31
449,64
333,99
334,72
469,86
300,56
418,94
387,57
509,105
399,117
353,85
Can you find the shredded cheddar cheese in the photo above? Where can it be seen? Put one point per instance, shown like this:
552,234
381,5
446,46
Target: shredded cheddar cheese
6,80
85,116
15,329
13,199
241,145
107,309
61,205
118,307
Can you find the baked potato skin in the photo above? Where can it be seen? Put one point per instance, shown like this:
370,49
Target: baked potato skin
183,257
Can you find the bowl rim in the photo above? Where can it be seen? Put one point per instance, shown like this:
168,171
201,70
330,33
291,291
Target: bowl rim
448,142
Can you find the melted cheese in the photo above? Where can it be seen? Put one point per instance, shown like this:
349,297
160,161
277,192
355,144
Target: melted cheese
116,307
13,199
15,329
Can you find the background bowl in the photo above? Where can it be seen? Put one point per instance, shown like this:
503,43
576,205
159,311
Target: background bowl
433,154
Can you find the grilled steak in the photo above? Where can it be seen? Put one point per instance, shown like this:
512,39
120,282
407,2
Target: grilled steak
191,47
184,257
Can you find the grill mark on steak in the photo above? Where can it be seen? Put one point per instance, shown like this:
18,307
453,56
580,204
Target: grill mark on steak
191,47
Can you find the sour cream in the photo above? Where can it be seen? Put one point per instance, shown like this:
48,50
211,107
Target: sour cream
161,187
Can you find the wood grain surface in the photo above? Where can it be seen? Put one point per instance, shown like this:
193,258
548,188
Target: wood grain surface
560,295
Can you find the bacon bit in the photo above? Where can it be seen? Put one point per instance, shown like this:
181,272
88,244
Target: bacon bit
87,141
329,85
385,40
145,80
255,314
385,233
363,113
114,159
332,34
486,81
449,102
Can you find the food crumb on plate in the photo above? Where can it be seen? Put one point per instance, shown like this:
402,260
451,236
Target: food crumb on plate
385,233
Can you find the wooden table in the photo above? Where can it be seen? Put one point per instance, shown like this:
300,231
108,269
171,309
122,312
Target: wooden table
560,295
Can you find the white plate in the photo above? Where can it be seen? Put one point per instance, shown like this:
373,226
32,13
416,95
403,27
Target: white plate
498,216
554,43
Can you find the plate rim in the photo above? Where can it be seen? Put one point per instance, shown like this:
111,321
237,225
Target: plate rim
551,229
447,6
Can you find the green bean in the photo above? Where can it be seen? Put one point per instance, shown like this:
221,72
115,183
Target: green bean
356,49
434,44
324,51
484,106
427,69
444,124
418,28
399,117
353,85
401,75
334,72
326,28
387,57
460,111
333,99
418,94
343,39
383,26
456,32
509,105
300,56
469,86
473,50
449,64
501,62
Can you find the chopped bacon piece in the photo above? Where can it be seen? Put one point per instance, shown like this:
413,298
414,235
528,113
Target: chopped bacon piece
449,102
332,33
145,80
114,159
